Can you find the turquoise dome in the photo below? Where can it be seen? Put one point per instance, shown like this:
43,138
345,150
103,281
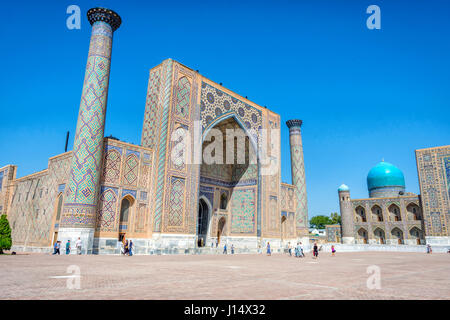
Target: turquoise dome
383,175
343,187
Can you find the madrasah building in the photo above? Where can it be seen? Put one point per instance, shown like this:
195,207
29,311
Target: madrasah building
393,216
105,190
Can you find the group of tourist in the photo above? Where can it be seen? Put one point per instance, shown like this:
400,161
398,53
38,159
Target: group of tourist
298,250
57,247
127,247
225,249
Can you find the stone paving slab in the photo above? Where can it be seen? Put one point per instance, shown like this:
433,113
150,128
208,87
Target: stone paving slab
243,276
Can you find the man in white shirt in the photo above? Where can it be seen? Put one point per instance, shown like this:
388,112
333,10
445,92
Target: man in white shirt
301,250
78,245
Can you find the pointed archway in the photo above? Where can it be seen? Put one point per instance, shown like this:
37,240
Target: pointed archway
203,222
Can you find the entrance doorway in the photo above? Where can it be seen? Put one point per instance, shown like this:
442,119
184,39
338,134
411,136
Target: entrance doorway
202,223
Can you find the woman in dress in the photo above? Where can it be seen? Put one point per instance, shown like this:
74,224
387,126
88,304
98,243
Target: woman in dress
268,249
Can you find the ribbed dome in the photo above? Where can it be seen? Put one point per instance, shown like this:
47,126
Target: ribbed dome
383,175
343,187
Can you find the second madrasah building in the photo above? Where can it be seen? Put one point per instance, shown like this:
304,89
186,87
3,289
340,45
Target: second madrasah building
389,216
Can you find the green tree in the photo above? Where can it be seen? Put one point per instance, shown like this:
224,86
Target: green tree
5,234
335,218
319,222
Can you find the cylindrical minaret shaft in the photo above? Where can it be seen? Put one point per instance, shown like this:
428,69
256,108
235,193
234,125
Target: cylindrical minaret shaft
345,206
298,175
79,213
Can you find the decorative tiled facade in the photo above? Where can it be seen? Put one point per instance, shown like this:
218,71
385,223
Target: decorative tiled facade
80,205
390,220
433,166
298,174
87,188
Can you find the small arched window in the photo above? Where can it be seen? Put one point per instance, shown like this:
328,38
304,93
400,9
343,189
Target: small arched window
223,201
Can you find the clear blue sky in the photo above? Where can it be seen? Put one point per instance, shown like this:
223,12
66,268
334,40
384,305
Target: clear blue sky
363,94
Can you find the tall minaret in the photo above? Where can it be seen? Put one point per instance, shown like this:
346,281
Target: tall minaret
345,206
80,205
298,175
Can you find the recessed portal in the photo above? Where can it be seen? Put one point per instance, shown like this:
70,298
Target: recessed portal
202,223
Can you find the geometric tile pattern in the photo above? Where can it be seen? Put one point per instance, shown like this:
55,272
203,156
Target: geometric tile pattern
433,166
273,214
131,170
168,66
243,208
298,174
151,120
111,167
141,216
145,170
88,145
176,201
107,211
216,103
33,204
183,97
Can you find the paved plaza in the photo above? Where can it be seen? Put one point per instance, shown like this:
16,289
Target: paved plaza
403,276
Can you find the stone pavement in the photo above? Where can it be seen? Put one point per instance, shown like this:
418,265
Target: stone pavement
252,276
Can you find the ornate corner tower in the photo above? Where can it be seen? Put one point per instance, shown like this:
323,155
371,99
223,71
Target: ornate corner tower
345,207
298,175
80,205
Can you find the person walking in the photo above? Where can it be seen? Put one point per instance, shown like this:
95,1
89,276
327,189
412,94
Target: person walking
217,243
300,251
130,248
78,245
122,246
269,253
55,248
232,248
68,247
429,248
315,251
290,249
126,247
333,250
225,249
